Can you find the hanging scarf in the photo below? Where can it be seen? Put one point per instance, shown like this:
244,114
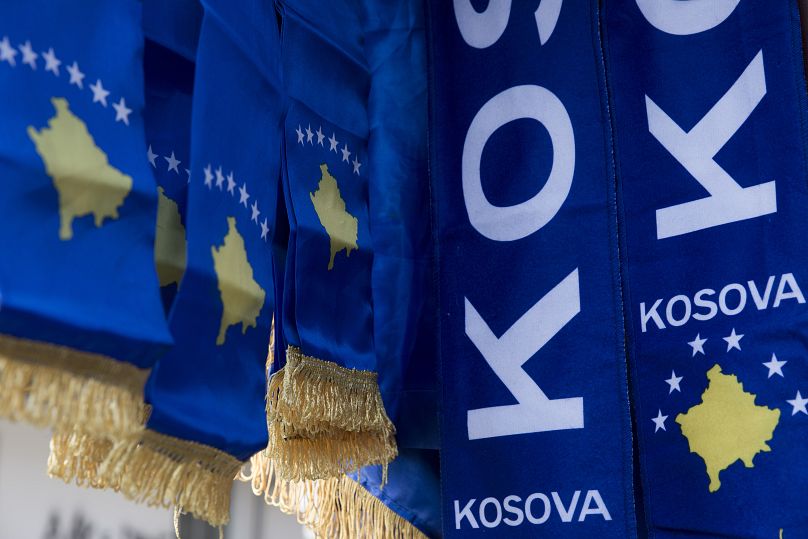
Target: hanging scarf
709,109
535,431
207,396
80,316
326,415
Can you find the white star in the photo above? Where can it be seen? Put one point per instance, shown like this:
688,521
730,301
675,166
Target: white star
76,76
255,212
208,176
332,141
219,178
299,135
309,134
345,153
659,421
775,366
52,63
733,341
798,404
698,345
99,93
673,381
356,165
122,112
28,55
188,172
151,156
173,162
7,52
243,196
320,135
264,229
231,183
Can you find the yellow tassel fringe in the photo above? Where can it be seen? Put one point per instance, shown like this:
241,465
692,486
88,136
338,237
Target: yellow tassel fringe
49,385
325,420
163,471
76,457
334,508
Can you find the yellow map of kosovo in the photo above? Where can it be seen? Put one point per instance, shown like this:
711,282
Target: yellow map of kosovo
86,182
727,426
242,297
341,226
169,242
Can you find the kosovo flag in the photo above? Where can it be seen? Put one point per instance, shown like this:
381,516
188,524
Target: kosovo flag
207,394
80,317
325,410
168,78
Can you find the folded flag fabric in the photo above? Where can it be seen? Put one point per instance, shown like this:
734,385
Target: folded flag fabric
80,317
713,194
207,394
168,80
325,412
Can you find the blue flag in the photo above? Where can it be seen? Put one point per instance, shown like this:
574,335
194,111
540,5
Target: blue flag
207,395
535,431
80,316
709,112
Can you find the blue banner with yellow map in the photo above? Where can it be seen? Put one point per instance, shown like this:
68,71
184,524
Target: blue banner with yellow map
80,313
709,113
207,394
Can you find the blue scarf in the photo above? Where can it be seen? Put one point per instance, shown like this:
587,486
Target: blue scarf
709,110
80,317
535,431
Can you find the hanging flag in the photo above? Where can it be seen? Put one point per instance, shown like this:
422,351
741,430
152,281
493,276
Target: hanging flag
325,411
535,431
712,190
207,395
168,82
80,316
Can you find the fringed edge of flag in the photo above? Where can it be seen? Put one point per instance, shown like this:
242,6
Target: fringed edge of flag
48,385
334,508
325,420
164,471
76,458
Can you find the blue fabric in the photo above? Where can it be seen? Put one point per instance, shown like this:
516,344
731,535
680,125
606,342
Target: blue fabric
209,391
697,278
96,291
174,25
529,298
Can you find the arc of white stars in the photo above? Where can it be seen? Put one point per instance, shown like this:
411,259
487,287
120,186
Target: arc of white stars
76,76
345,154
173,162
659,421
28,55
208,176
798,404
122,112
698,345
7,52
231,183
255,212
775,366
151,156
264,229
99,93
243,195
674,382
219,178
733,340
52,63
333,143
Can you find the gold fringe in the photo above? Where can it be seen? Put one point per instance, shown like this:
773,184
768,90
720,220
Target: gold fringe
77,457
325,420
334,508
163,471
49,385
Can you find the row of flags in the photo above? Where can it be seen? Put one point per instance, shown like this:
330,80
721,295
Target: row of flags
414,269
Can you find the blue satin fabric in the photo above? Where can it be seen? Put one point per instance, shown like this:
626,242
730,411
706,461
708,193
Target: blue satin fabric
204,392
97,291
330,315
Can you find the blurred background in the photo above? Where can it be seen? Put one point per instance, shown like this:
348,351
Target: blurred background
32,506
